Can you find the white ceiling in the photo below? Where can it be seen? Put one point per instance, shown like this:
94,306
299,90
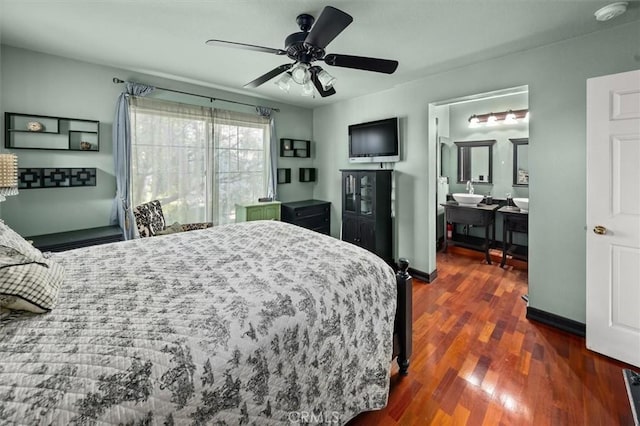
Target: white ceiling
167,38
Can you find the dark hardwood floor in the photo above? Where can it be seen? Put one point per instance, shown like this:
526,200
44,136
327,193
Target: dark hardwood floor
478,361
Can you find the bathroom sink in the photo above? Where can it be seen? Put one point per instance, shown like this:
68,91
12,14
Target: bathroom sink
522,203
468,200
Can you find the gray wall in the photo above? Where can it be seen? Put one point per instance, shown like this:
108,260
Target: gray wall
37,83
556,76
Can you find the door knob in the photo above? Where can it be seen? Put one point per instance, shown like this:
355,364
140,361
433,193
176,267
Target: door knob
600,230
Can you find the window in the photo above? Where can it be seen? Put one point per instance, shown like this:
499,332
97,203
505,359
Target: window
198,162
241,157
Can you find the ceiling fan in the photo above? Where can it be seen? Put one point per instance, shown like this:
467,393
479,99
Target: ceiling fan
306,47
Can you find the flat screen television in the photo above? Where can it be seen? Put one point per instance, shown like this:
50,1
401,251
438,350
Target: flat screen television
374,142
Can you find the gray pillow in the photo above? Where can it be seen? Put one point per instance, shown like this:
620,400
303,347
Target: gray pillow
171,229
26,283
10,238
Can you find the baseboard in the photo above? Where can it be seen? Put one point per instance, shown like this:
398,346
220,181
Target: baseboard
562,323
423,276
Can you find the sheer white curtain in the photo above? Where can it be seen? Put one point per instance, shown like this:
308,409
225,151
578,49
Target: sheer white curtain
171,152
241,160
197,161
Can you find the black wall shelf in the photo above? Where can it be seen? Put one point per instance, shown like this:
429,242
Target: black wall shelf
30,131
296,148
307,174
284,176
50,177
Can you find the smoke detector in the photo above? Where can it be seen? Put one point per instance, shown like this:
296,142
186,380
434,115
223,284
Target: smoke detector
611,11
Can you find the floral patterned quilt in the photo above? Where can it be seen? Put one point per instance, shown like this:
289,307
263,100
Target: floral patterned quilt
255,323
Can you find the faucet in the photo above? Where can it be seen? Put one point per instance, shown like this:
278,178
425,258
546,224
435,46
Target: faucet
470,186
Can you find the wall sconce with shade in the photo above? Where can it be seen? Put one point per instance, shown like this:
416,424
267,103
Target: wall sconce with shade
8,175
496,118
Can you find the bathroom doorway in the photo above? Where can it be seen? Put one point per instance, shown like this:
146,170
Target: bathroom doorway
481,145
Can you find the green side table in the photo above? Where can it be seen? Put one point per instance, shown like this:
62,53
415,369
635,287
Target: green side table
258,211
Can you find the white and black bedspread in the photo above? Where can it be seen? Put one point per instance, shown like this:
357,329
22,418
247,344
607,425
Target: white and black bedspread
256,323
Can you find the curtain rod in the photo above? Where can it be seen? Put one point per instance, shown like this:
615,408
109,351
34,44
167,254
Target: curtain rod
116,80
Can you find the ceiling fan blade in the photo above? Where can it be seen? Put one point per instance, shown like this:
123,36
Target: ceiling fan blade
316,82
244,46
268,76
331,22
362,63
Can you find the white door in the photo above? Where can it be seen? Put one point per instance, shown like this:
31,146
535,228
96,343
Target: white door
613,216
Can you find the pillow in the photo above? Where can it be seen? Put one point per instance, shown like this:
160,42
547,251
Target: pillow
10,238
28,284
149,218
10,257
195,226
171,229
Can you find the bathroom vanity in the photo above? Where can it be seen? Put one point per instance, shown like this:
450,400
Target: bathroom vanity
482,215
514,220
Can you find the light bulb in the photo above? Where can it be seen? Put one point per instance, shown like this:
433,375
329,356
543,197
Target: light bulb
284,82
300,74
326,79
307,89
474,121
526,117
510,118
492,120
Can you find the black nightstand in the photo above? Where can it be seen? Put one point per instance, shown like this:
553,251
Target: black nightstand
69,240
310,214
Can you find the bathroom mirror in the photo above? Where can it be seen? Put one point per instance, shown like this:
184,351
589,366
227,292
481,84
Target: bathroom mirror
520,161
475,161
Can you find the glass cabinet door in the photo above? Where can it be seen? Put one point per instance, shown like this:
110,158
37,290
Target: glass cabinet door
350,193
367,182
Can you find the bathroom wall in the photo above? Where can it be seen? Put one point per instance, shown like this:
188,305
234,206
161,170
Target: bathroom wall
502,149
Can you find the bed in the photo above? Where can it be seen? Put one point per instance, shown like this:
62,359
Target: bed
254,323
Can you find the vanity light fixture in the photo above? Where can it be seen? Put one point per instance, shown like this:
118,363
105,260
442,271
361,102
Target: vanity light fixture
494,118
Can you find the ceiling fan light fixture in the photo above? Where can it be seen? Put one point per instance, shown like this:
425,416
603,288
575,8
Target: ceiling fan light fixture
284,82
307,89
300,73
326,79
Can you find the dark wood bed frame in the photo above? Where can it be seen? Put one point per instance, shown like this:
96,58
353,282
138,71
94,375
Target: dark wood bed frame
402,334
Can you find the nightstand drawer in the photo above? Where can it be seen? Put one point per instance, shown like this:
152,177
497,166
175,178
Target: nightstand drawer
312,221
304,212
310,214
